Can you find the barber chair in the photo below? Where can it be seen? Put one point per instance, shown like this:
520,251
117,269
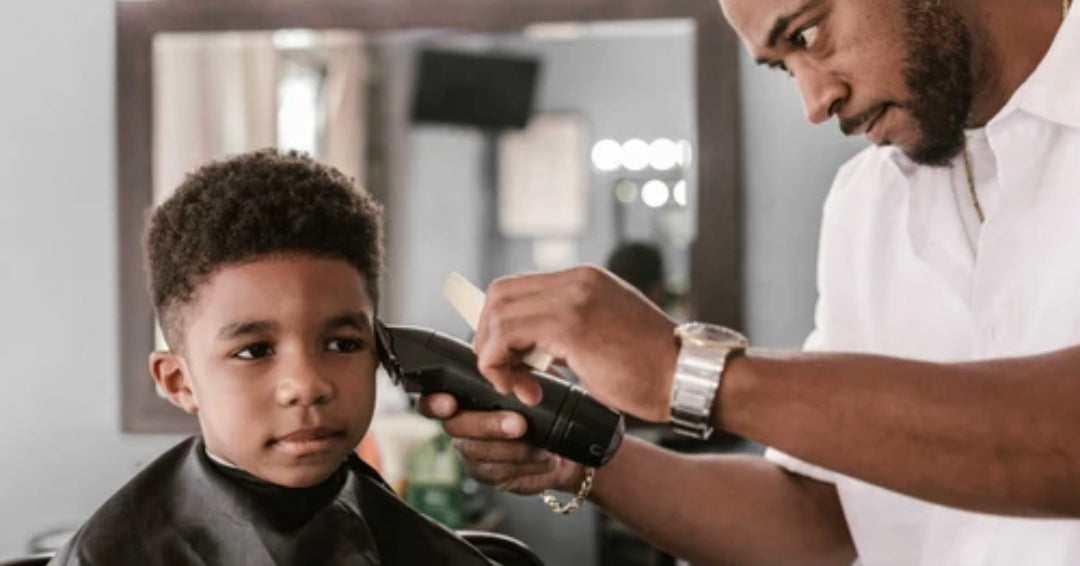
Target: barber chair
501,549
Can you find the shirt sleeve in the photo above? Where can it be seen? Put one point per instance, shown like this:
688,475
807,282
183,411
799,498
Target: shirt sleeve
797,466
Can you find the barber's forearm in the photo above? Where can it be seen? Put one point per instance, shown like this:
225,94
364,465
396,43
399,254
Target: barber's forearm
996,437
722,509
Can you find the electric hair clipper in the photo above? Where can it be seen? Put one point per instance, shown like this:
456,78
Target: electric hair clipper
567,421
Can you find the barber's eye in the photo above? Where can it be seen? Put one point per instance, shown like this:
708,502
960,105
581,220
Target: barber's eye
345,345
255,352
780,66
805,38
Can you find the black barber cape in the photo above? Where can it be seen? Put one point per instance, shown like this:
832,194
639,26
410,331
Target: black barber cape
185,509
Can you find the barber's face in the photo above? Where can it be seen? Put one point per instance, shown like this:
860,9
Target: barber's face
897,71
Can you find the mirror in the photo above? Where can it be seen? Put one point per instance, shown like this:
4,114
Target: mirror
197,80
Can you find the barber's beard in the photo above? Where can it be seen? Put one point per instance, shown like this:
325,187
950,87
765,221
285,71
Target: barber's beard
939,76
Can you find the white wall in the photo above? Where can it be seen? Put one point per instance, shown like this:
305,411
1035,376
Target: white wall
787,167
61,453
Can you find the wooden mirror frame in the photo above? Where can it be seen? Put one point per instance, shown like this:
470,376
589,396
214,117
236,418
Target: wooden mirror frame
716,272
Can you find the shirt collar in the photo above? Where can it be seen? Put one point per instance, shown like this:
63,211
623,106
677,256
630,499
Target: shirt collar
899,160
1052,92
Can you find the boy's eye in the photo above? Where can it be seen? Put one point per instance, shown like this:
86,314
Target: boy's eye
805,38
255,352
345,345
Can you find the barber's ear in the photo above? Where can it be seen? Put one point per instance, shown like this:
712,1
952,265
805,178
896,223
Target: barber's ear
171,376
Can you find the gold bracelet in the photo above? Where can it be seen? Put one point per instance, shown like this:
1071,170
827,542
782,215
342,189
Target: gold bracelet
575,503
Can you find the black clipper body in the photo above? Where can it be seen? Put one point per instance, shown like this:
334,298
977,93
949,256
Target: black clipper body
567,421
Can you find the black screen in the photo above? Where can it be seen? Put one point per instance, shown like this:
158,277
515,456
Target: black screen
485,91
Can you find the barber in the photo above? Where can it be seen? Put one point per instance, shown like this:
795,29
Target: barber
949,270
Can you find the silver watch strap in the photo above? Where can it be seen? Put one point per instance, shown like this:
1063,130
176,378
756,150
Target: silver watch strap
693,392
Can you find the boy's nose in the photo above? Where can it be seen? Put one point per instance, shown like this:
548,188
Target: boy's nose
304,385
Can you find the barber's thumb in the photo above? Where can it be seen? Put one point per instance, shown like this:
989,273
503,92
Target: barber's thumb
438,406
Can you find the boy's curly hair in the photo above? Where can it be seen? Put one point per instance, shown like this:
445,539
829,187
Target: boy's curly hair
251,206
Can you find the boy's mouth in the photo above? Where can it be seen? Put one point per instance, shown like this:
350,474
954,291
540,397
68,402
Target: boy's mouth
308,441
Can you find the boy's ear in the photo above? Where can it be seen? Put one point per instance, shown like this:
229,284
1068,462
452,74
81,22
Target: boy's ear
171,377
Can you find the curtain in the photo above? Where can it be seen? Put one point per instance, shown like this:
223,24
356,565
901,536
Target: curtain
219,94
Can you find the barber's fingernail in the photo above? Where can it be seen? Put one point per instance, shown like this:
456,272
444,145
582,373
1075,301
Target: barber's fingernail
526,394
512,426
458,444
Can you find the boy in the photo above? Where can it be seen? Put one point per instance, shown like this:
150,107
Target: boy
264,271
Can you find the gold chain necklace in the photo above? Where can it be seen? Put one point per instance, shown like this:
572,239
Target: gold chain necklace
968,170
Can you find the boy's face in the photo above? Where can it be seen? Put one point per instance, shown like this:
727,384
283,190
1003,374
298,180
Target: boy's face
278,364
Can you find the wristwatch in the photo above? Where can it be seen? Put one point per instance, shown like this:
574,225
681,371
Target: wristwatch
704,349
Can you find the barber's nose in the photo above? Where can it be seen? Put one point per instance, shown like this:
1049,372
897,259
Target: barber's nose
822,93
304,385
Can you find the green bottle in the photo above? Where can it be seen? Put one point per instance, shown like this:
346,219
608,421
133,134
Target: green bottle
435,477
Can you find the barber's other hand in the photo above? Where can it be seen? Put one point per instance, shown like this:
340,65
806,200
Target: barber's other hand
489,446
619,344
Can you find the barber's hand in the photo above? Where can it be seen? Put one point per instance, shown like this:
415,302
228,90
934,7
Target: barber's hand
619,344
487,442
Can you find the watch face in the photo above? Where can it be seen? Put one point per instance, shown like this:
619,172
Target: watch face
711,335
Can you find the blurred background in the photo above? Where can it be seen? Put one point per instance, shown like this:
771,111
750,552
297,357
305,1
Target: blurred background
536,147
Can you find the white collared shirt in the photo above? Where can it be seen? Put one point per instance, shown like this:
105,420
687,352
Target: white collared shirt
903,272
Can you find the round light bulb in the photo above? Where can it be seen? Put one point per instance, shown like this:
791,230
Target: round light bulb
686,153
607,155
635,154
655,194
664,154
626,191
679,193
